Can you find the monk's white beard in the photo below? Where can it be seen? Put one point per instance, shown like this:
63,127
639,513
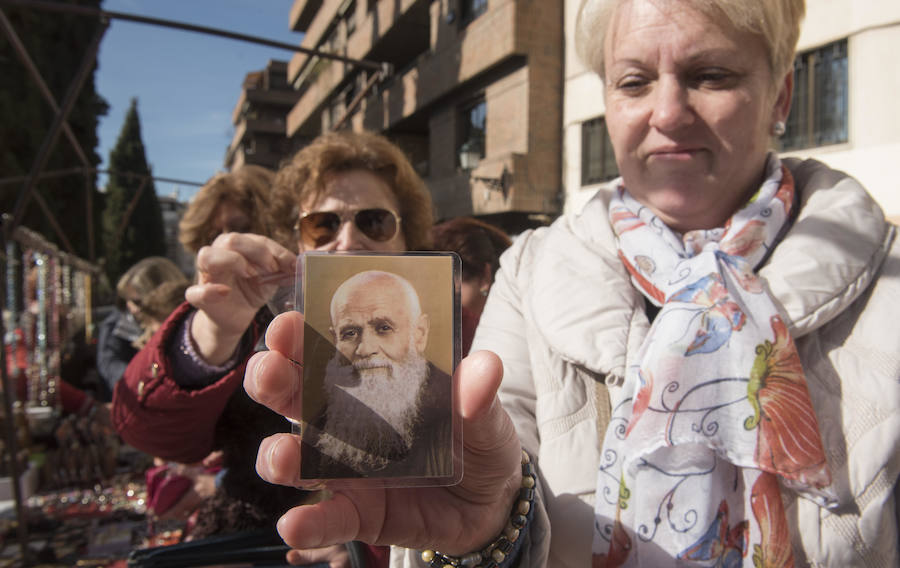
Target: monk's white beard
391,390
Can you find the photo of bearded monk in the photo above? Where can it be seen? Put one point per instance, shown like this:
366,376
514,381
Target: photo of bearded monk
387,410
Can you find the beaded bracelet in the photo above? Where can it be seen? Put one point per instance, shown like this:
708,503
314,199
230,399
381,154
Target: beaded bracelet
502,547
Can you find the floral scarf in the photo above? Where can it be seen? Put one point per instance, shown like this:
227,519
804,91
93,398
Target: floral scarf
716,418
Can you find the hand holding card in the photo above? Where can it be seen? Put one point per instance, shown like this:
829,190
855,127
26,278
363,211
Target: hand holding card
381,340
369,321
414,517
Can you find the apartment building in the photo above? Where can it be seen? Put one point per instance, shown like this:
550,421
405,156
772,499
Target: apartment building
844,110
259,118
472,93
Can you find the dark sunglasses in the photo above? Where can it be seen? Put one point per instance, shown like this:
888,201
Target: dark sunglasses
318,228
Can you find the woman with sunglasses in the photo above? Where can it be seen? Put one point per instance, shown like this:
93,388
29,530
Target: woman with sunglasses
343,192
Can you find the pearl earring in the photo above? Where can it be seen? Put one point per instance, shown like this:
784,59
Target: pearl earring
778,129
484,291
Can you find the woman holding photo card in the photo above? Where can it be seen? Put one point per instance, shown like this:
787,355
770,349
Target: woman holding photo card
699,365
342,192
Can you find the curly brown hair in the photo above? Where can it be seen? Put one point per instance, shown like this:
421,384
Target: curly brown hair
302,180
248,188
477,243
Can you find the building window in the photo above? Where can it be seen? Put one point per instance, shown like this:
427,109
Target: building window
350,18
598,162
471,146
350,91
471,9
335,113
819,105
331,43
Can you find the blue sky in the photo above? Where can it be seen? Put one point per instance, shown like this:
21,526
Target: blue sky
186,83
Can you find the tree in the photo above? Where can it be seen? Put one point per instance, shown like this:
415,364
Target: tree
142,234
56,43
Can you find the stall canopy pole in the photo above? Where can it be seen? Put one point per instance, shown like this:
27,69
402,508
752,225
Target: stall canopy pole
67,129
9,427
383,71
74,171
87,63
41,84
131,205
384,68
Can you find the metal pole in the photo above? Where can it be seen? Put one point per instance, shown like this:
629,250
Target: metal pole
352,106
134,201
87,11
40,161
9,431
42,203
73,171
39,81
89,213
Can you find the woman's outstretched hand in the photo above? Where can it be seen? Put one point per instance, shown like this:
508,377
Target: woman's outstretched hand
455,520
231,287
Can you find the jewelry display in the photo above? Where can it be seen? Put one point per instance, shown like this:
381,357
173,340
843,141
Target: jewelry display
41,329
73,461
11,340
53,291
28,322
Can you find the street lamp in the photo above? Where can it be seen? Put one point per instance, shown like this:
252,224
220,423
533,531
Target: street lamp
470,157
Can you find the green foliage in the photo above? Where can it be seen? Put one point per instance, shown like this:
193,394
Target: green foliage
56,43
142,234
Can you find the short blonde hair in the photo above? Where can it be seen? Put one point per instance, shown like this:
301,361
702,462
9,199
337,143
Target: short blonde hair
302,180
247,187
777,22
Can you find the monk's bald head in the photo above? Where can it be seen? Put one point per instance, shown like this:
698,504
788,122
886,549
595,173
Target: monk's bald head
377,313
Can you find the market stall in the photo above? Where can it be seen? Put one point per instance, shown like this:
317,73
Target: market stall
81,496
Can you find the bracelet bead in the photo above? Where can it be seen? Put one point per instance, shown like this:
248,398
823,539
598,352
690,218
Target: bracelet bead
494,554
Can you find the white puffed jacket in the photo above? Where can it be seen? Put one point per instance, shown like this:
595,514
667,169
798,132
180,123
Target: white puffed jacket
563,315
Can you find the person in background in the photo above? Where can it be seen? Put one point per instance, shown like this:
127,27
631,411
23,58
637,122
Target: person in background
120,329
700,366
233,202
479,246
182,398
156,307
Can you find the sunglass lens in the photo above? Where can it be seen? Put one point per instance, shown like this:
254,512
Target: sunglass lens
318,229
377,224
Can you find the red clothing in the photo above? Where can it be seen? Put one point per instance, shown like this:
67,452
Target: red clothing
377,556
72,399
152,413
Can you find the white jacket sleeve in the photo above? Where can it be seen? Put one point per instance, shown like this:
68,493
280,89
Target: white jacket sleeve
502,329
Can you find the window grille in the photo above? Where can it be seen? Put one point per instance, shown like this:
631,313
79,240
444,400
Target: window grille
598,162
819,105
